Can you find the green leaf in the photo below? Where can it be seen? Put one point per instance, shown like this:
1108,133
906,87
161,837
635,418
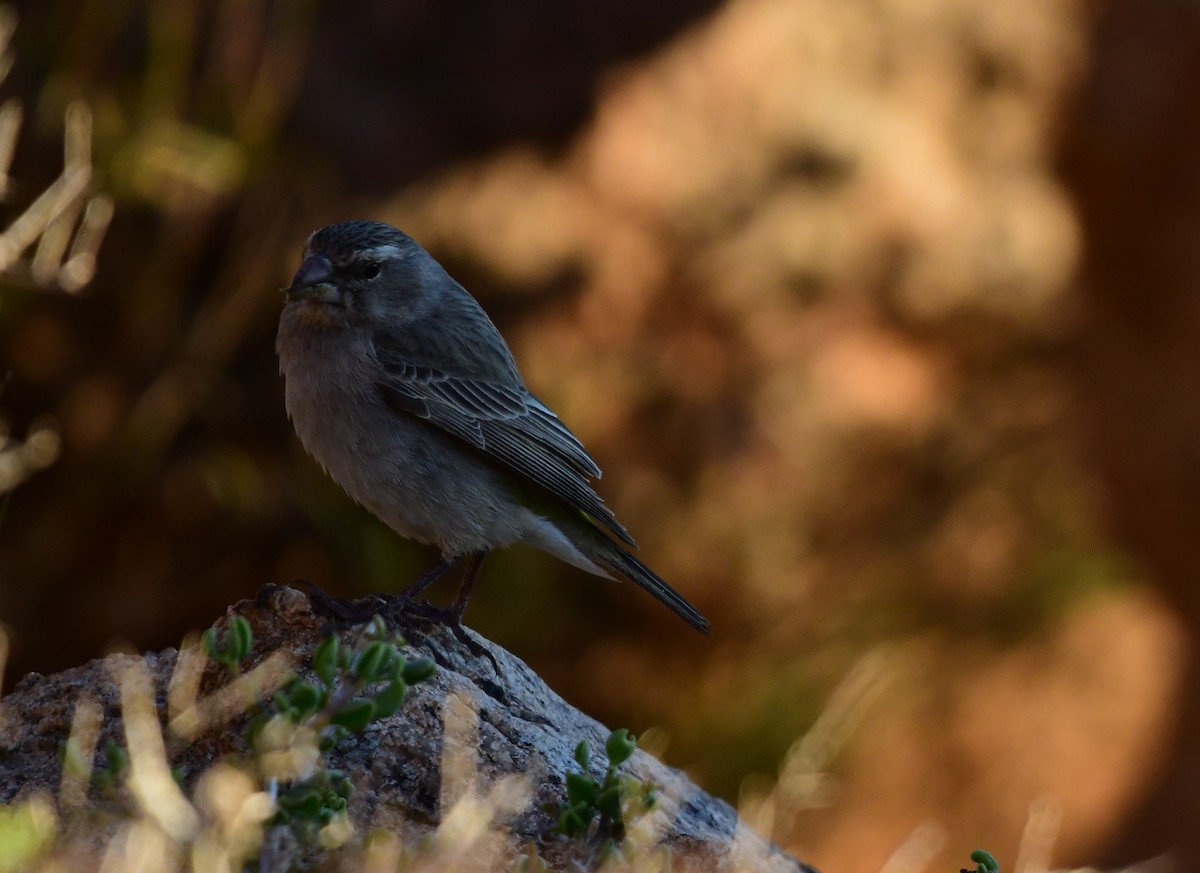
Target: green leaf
354,716
303,801
387,665
305,699
418,670
395,668
581,789
575,819
987,863
620,746
325,661
391,698
609,803
583,754
367,664
115,757
530,861
377,628
241,639
208,641
254,728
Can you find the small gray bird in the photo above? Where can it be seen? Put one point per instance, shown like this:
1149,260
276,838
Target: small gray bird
403,390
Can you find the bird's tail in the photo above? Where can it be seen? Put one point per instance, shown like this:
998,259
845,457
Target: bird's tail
614,559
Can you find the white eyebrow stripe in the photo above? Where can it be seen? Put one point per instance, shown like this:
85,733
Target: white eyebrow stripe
386,250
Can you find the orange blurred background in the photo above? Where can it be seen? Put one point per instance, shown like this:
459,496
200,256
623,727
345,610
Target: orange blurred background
881,315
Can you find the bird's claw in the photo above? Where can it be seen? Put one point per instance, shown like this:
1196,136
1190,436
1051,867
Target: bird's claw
401,611
337,610
449,618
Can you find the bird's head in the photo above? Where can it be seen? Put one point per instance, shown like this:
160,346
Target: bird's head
360,271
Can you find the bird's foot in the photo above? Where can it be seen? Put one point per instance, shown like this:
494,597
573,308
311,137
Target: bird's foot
392,607
474,646
401,611
339,611
451,619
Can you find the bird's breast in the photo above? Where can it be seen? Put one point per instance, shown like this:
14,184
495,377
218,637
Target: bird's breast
329,392
419,480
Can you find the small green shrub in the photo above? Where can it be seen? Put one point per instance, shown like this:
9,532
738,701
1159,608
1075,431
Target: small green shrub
608,802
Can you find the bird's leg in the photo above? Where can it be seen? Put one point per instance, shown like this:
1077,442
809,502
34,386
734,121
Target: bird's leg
452,617
464,589
400,602
434,573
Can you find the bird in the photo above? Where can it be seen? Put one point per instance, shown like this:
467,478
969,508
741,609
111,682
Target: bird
400,386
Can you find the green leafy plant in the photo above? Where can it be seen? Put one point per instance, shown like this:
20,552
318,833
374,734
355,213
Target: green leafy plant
107,778
116,764
610,801
353,687
984,863
233,647
530,861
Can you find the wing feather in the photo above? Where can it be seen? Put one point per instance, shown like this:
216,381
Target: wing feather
505,422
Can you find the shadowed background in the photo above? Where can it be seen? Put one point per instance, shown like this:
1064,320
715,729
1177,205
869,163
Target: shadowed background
880,316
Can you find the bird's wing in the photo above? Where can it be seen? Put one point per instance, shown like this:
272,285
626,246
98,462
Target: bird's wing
496,415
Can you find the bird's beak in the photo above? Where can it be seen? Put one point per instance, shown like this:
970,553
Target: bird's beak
314,281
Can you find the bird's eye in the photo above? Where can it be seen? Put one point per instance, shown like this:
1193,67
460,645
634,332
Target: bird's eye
366,269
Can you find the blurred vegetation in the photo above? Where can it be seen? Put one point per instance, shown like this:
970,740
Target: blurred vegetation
798,273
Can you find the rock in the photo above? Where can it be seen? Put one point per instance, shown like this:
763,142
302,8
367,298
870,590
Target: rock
458,776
